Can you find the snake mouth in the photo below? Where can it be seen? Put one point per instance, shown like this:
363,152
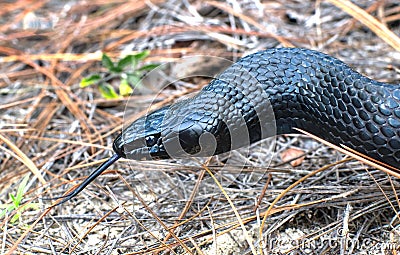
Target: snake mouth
142,139
156,147
142,148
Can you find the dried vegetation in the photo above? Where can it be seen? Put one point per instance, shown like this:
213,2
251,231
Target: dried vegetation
59,132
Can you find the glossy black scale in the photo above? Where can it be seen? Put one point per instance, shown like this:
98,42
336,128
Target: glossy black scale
312,91
304,89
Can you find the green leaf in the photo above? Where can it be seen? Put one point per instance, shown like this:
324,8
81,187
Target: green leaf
132,60
136,58
124,88
141,55
148,67
16,216
2,213
107,62
107,91
15,202
7,208
134,80
87,81
126,61
21,188
116,69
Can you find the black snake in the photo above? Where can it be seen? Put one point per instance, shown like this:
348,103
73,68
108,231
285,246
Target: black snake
268,93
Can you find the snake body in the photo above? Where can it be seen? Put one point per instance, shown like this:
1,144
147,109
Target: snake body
300,88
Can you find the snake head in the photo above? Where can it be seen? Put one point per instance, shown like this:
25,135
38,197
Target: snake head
225,115
174,131
142,140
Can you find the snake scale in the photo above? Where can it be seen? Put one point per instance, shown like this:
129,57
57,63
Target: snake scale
264,94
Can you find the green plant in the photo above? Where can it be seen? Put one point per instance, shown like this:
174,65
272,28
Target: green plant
126,71
16,202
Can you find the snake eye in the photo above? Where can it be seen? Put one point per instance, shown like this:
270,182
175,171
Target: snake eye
151,140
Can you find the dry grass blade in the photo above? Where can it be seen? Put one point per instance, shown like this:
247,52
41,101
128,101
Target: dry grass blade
171,232
24,159
245,233
92,227
26,232
362,158
61,93
30,5
65,141
385,195
283,193
163,245
377,27
261,196
187,205
369,160
56,56
67,57
251,21
17,130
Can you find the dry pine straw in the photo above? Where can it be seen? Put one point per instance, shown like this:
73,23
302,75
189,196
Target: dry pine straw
53,129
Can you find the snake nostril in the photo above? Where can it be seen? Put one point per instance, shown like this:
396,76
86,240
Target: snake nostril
151,140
